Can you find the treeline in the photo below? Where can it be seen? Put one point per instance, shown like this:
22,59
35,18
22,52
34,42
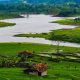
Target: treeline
9,15
56,10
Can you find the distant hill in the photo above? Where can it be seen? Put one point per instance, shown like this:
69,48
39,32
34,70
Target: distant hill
39,1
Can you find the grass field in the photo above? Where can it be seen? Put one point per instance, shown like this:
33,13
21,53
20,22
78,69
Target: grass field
11,49
4,24
56,71
63,70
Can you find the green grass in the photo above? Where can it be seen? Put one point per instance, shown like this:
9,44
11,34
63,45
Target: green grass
68,35
11,49
67,22
56,71
4,24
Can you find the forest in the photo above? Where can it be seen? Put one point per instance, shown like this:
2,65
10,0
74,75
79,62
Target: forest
61,10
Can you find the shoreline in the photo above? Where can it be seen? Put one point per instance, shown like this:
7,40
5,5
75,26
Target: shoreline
57,33
5,24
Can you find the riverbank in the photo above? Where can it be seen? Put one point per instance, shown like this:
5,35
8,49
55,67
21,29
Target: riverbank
75,22
4,24
67,35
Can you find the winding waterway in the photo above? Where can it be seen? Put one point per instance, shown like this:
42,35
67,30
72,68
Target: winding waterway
33,24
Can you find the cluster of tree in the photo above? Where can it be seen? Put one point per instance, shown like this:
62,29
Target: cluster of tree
56,10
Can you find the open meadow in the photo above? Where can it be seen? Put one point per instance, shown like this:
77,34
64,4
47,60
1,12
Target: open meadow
62,70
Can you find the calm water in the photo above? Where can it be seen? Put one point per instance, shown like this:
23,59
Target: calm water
34,24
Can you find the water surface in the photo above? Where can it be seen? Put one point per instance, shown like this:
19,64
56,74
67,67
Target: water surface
33,24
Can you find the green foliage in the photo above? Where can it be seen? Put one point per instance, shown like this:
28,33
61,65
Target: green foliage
9,15
71,35
63,10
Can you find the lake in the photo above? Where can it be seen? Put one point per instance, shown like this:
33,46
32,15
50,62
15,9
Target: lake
33,24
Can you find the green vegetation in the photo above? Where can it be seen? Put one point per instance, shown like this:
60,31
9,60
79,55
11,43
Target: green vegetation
56,71
41,35
11,49
62,10
66,68
67,35
9,15
75,21
63,70
4,24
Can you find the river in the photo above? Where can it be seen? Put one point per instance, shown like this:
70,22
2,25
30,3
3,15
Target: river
33,24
